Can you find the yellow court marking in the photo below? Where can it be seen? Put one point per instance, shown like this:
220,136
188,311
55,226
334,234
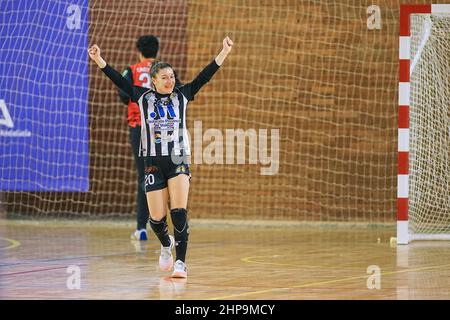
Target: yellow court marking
293,265
319,283
13,243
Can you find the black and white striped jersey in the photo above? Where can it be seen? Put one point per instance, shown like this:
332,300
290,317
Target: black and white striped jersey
163,117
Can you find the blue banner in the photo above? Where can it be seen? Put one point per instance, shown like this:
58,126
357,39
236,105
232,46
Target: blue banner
44,95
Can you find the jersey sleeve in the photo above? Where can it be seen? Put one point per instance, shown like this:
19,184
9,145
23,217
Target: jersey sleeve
128,75
190,89
121,83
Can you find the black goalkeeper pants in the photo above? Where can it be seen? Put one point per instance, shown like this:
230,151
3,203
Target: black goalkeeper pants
142,212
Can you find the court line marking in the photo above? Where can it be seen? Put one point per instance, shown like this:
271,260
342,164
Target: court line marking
293,265
38,270
99,256
319,283
43,261
14,243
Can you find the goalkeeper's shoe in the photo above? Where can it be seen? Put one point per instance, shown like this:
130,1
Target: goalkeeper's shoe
140,235
166,258
179,270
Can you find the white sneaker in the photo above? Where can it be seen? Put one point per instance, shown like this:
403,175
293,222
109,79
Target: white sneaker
139,235
165,258
179,270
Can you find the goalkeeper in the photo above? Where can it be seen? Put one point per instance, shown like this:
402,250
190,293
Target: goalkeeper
165,148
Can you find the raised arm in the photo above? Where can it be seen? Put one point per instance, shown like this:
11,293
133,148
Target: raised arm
227,45
191,89
114,75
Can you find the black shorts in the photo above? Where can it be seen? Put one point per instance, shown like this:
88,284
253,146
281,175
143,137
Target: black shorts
159,169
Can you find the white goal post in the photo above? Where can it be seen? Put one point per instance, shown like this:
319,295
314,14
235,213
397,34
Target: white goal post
423,194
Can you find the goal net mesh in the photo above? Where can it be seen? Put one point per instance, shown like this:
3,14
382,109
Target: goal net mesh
429,157
311,69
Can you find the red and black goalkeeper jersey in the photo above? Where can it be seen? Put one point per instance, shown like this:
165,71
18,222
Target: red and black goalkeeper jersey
163,117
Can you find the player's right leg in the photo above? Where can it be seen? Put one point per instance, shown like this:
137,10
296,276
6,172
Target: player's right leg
157,199
157,202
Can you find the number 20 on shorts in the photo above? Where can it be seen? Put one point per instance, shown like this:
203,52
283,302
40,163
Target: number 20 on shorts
149,179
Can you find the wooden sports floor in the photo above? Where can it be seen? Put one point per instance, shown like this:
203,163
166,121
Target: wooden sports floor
49,259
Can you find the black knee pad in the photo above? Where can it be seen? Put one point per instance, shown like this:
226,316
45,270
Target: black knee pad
159,227
180,224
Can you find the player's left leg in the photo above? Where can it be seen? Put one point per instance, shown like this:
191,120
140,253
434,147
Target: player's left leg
179,190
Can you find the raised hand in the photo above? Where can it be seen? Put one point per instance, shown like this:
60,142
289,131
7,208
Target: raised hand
94,52
227,44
